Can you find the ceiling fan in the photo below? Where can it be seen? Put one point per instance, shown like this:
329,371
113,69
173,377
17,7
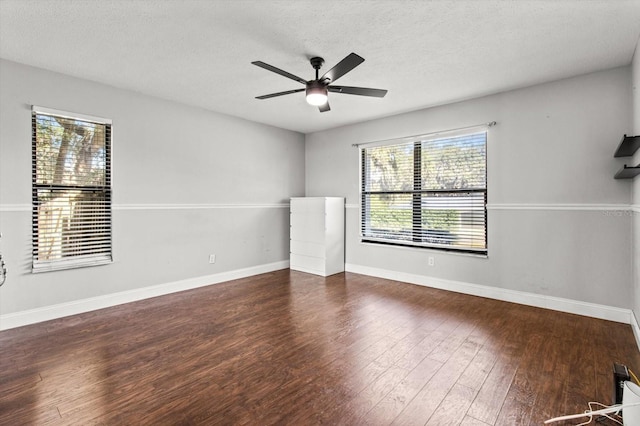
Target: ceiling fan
316,90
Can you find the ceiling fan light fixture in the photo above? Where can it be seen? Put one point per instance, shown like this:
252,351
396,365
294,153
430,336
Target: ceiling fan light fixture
317,90
316,95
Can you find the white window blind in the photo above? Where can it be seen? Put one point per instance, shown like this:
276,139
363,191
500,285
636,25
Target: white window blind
71,175
426,193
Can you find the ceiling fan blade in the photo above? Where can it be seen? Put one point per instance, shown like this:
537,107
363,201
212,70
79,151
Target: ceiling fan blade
325,107
273,95
362,91
344,66
279,71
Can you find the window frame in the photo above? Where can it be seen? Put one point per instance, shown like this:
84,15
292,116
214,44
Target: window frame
418,192
79,261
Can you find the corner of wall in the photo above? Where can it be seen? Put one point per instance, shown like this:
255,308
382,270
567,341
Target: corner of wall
635,110
635,89
636,328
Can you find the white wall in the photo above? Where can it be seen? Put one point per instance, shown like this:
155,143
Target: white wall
186,183
635,70
554,228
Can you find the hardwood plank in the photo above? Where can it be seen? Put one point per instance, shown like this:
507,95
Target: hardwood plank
358,407
551,384
424,404
447,347
416,354
478,370
470,421
389,407
453,407
491,396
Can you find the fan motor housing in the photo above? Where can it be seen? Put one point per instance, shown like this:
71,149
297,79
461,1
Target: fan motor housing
316,86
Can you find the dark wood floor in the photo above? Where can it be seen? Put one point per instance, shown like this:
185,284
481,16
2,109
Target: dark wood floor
293,348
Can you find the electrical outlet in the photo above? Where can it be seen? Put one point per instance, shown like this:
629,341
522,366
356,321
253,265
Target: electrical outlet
432,261
212,258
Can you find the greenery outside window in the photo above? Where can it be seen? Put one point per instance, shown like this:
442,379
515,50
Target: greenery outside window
71,190
426,192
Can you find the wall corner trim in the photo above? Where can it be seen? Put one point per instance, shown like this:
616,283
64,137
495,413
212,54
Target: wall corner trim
594,310
46,313
636,328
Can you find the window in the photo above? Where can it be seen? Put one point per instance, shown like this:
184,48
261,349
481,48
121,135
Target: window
71,175
426,192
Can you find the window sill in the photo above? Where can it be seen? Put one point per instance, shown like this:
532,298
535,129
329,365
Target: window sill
430,249
61,265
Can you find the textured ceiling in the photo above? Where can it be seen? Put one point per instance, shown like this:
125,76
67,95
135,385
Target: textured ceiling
424,52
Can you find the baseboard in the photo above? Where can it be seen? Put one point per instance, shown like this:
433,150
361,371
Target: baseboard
531,299
32,316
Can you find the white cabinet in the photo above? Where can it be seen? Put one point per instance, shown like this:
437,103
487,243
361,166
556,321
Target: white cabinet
317,235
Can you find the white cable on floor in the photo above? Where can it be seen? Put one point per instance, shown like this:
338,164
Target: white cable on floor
612,409
591,404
